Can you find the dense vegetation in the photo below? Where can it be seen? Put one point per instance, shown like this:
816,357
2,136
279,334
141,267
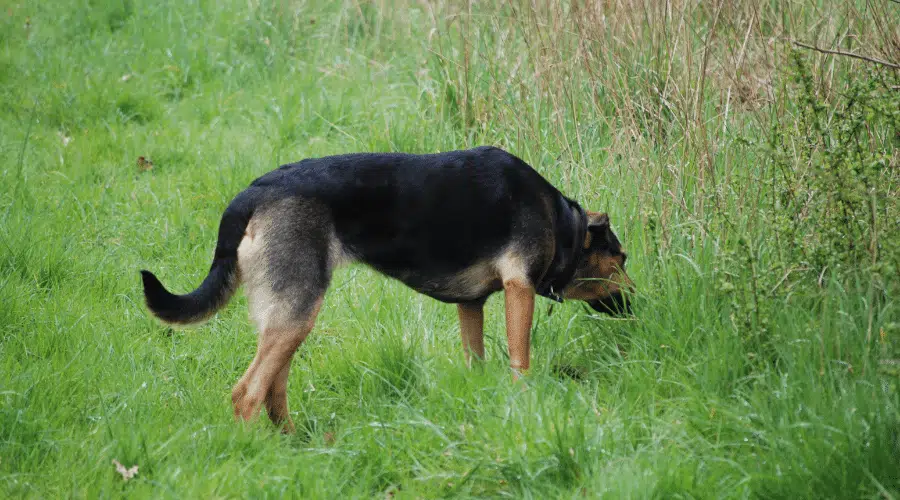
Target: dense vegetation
754,182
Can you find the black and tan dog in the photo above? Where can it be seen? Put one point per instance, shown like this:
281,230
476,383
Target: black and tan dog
455,226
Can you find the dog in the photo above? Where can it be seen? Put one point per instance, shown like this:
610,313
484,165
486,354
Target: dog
456,226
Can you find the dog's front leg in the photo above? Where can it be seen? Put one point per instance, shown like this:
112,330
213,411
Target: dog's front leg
471,329
519,314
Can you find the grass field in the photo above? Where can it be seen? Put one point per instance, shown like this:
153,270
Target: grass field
754,183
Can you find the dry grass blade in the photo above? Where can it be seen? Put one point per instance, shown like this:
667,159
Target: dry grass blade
847,54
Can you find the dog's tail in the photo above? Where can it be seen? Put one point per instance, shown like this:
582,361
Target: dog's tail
219,285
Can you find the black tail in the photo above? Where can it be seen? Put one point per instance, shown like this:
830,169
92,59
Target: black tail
222,280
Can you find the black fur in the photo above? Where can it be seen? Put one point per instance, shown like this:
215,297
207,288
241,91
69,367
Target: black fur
424,218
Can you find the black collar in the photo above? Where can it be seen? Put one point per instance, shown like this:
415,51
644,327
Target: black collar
572,222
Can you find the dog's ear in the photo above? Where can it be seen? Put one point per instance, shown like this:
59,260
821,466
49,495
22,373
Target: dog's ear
598,222
598,229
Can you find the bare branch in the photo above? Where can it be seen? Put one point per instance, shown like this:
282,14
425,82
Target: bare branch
848,54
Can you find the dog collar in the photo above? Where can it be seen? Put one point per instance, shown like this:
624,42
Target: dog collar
555,282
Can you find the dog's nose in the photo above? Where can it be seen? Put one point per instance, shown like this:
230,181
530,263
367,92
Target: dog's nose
615,304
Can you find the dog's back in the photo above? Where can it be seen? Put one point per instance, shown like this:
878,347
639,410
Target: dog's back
422,219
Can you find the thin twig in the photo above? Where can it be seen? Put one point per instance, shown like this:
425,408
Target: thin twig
848,54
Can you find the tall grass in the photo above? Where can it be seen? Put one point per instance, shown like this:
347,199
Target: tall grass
753,182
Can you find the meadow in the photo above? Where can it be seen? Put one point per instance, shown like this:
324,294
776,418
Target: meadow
752,177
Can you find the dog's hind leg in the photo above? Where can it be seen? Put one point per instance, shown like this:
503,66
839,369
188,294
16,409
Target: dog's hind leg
276,400
266,378
265,381
284,262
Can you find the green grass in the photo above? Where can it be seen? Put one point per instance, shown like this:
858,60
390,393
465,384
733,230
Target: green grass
762,358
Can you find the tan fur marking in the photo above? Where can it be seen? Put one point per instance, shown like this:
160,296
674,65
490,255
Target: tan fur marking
604,276
276,400
266,309
473,281
597,217
519,316
512,267
266,378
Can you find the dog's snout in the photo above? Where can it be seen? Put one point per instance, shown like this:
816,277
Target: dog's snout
616,304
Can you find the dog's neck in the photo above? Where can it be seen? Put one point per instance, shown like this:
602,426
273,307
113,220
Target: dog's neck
571,231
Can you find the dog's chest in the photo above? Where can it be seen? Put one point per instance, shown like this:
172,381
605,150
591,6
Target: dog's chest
472,283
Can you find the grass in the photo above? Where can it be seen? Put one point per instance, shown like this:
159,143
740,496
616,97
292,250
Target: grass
762,358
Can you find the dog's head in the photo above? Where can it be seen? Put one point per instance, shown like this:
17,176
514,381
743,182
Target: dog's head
600,278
